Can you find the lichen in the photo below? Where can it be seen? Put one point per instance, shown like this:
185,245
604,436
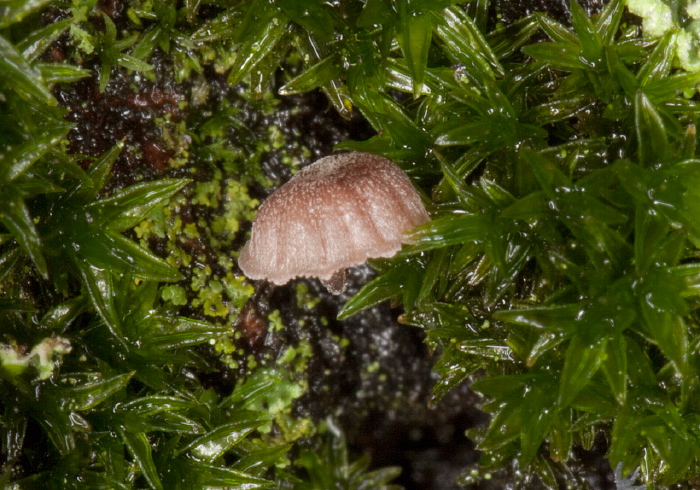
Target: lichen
43,357
681,16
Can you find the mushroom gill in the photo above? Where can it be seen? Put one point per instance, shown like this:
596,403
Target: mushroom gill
333,214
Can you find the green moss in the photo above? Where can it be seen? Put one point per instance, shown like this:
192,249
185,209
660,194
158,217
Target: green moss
560,263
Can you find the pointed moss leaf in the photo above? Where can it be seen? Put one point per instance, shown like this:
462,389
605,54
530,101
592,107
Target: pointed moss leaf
560,56
634,179
20,158
99,170
615,366
37,41
127,208
173,422
556,31
469,198
469,133
669,87
668,412
203,475
379,478
115,252
337,94
652,139
15,10
14,214
576,204
658,65
88,395
152,404
622,74
608,21
531,207
376,12
496,193
510,386
625,437
415,36
588,35
670,333
252,53
509,260
561,437
689,274
690,143
54,73
539,412
402,130
466,45
149,40
311,15
550,178
385,115
386,286
99,286
397,76
55,422
104,73
557,110
504,427
140,450
313,77
365,86
453,367
639,368
257,461
485,349
583,358
254,389
433,278
510,39
536,346
222,438
7,261
16,74
650,231
182,332
14,433
35,184
133,63
682,454
449,230
561,318
670,251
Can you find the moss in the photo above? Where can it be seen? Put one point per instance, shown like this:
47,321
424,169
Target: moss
560,267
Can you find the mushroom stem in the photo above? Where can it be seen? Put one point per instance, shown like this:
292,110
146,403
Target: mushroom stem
337,283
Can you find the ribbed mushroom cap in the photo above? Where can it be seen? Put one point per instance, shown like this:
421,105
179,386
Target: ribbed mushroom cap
333,214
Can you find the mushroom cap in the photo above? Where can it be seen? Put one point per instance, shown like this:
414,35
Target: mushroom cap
335,213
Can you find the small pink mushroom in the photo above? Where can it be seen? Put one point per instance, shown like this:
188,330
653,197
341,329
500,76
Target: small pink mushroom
333,214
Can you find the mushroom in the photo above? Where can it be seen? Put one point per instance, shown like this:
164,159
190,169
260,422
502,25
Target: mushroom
333,214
